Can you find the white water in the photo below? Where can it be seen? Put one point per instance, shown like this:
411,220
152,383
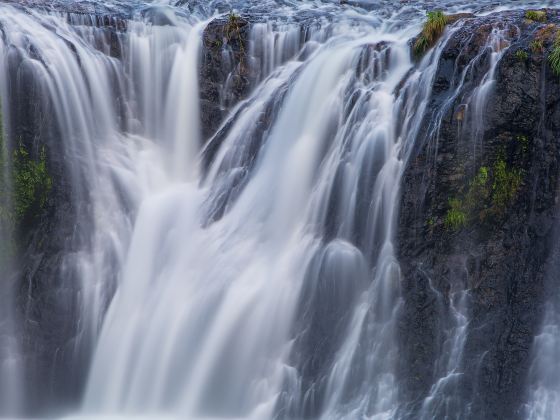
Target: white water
202,319
206,315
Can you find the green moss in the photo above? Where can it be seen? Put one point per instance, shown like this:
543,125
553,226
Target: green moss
489,193
461,210
554,56
505,186
29,189
521,55
24,188
537,46
456,217
32,182
536,15
482,177
432,30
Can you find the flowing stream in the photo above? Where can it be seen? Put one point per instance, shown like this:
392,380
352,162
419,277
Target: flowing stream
264,284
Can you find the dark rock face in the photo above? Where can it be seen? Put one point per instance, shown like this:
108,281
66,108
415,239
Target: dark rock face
46,237
476,219
224,76
47,301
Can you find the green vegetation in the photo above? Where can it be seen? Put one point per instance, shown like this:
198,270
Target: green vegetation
31,180
30,184
536,15
506,184
554,56
521,55
489,193
233,25
537,45
232,29
217,44
24,187
461,209
432,30
456,217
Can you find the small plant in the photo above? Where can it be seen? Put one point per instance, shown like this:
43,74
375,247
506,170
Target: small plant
554,56
505,186
233,30
235,39
432,30
536,15
489,192
232,25
217,44
421,45
521,55
463,210
32,182
481,178
456,217
233,18
537,46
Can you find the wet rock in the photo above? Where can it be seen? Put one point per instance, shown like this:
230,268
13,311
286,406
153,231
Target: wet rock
46,304
225,74
477,212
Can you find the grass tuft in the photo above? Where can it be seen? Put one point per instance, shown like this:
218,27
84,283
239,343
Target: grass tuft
432,30
536,15
537,46
521,55
554,56
456,217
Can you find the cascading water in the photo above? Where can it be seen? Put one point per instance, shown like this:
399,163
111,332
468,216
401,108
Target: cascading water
251,276
240,313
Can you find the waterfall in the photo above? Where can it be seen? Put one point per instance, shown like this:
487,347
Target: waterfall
224,295
253,274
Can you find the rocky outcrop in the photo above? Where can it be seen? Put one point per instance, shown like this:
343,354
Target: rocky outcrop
225,72
479,203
